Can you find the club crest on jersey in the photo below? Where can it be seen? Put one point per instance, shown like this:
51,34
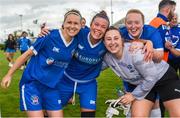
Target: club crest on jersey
80,46
92,102
49,60
55,49
34,100
130,67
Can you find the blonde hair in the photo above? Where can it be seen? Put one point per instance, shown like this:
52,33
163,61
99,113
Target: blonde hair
135,11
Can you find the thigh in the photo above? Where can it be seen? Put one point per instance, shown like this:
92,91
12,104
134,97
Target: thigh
51,99
88,94
7,54
52,114
30,97
173,107
12,54
66,88
33,114
141,108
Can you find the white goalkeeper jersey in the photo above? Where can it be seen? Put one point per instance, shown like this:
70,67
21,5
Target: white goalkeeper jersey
133,69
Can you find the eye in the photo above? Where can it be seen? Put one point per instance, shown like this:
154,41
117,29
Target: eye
103,26
107,38
116,38
69,22
96,24
76,23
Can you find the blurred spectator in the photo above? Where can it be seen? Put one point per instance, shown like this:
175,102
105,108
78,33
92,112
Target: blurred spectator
10,49
174,44
24,44
83,23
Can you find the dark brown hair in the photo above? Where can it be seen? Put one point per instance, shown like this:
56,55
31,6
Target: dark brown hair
12,37
101,14
164,3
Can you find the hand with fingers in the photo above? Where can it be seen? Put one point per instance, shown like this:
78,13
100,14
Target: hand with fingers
148,51
115,105
168,45
6,81
44,32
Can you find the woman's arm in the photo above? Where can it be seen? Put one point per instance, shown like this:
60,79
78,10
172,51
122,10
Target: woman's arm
151,53
149,74
18,63
172,49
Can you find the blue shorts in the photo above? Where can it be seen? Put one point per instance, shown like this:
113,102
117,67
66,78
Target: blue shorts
10,50
87,92
36,96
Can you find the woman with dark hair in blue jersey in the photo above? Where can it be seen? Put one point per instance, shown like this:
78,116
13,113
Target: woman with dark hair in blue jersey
50,55
81,73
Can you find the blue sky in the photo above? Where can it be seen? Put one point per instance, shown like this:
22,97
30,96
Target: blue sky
51,12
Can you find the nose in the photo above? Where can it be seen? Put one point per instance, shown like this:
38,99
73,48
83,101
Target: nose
132,25
112,41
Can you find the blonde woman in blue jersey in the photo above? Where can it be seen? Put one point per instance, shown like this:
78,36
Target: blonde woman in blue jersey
50,55
81,73
149,78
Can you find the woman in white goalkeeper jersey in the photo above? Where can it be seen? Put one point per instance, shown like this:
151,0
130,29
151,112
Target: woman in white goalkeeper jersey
130,66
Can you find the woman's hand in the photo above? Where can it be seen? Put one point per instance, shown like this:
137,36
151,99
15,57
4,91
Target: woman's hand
148,50
44,32
168,45
6,81
127,98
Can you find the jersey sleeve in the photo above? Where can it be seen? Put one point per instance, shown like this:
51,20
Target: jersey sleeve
149,74
157,40
163,30
39,44
104,63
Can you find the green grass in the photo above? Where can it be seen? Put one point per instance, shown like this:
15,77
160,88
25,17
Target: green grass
9,98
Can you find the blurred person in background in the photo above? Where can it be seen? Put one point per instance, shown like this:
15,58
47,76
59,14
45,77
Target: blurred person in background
173,45
10,49
24,44
83,23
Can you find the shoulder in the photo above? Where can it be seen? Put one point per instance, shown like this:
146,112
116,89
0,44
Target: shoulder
54,32
123,29
107,56
149,28
149,31
156,22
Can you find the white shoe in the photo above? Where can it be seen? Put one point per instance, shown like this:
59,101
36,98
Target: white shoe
22,67
10,65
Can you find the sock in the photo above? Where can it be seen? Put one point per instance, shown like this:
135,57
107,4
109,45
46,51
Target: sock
155,113
88,114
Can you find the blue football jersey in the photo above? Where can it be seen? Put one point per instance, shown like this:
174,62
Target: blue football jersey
175,40
148,33
24,43
87,61
52,56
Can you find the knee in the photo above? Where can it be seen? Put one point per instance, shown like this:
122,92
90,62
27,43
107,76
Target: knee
138,113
